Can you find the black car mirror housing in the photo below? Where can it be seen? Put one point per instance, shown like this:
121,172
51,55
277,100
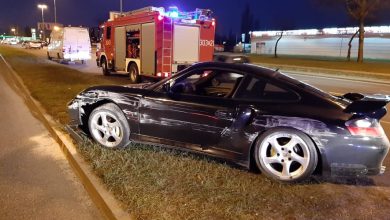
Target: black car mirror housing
166,87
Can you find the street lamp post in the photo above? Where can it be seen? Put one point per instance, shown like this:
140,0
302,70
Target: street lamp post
121,5
43,7
55,12
13,30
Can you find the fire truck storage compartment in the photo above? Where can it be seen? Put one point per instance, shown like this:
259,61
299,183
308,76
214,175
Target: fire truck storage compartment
185,44
120,48
148,56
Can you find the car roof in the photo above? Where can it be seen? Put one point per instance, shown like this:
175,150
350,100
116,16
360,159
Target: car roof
265,73
240,67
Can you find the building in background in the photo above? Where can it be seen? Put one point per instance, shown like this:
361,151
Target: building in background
48,27
330,42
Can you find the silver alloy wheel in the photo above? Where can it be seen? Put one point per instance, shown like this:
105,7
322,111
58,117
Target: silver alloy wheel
285,155
106,129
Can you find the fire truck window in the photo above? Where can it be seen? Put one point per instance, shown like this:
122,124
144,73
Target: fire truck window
133,44
108,33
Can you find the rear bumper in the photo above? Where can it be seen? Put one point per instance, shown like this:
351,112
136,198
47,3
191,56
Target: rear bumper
355,156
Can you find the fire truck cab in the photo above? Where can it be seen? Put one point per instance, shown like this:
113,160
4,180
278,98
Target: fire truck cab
155,43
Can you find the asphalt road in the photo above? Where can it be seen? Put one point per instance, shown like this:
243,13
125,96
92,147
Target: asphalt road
36,181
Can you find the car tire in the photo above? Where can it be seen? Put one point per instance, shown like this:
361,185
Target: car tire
108,126
104,65
133,73
286,155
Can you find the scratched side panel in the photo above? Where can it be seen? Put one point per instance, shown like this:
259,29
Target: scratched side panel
176,120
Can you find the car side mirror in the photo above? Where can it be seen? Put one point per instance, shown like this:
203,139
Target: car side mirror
166,87
168,90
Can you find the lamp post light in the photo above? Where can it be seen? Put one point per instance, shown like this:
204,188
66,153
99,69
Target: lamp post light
13,30
55,12
43,7
121,6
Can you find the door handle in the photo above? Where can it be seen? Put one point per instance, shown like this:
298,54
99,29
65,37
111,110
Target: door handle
223,114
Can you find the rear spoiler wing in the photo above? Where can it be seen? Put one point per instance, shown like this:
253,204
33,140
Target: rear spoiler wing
361,103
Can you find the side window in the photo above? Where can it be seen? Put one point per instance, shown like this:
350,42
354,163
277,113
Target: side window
108,33
261,90
210,83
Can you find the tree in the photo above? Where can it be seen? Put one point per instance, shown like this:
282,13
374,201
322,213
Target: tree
362,11
247,22
350,45
284,25
359,10
276,44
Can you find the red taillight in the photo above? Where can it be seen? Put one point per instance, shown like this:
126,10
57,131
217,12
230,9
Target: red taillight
365,127
159,74
371,132
166,75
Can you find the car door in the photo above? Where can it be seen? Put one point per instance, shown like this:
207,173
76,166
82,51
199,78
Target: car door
195,111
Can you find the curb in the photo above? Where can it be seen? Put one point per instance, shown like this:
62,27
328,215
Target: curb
103,199
329,73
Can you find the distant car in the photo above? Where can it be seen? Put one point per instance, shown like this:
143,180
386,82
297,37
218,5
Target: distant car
246,114
44,43
231,58
34,45
13,41
24,43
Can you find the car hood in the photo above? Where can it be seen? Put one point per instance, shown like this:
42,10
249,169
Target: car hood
140,85
111,90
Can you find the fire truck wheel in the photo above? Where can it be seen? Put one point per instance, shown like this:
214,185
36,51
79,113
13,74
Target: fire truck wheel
106,72
133,72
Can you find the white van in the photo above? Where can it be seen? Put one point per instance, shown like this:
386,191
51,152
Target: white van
69,44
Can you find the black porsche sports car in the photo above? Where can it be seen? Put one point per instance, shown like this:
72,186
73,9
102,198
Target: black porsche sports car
242,113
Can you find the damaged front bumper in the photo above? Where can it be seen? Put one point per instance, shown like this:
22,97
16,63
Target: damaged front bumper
74,112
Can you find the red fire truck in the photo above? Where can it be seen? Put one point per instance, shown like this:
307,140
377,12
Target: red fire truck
155,43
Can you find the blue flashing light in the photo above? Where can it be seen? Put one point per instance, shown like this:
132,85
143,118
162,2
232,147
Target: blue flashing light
173,12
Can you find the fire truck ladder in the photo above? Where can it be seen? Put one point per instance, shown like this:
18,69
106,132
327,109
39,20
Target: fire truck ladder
145,9
167,45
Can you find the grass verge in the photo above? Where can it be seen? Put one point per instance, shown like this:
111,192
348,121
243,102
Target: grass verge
51,84
156,183
328,63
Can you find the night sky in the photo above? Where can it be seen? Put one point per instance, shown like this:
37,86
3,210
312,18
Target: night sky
273,14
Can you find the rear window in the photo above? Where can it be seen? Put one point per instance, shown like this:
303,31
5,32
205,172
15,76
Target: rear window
260,90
